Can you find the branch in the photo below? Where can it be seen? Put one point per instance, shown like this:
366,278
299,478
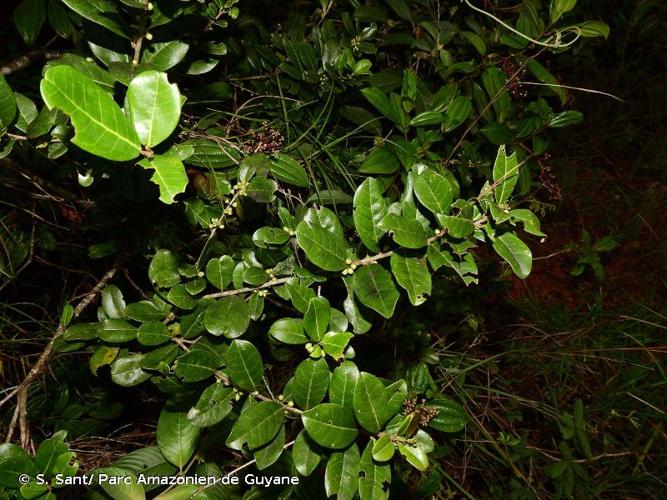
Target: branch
27,59
21,391
268,284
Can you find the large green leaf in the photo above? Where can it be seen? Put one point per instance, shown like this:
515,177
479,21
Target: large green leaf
288,331
7,104
14,461
370,403
269,453
341,477
102,12
370,208
505,175
196,365
169,174
515,252
310,382
287,169
219,271
304,456
330,425
163,56
408,233
154,106
228,316
343,383
256,426
373,477
324,247
413,276
101,127
176,437
244,364
125,488
28,19
374,288
316,319
127,372
433,191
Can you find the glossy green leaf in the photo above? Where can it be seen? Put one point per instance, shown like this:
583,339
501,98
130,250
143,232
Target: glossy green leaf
125,487
219,271
343,383
310,383
433,191
374,288
14,461
370,403
269,453
102,12
163,56
117,331
7,104
330,425
335,343
101,127
531,224
289,331
458,227
112,302
244,364
169,174
324,247
163,269
256,426
267,236
412,275
457,112
341,477
515,252
127,372
415,456
213,405
28,18
370,208
176,436
304,456
373,477
287,169
380,161
316,319
228,316
427,118
103,356
383,449
262,190
196,365
560,7
566,118
505,175
154,107
408,233
153,333
494,81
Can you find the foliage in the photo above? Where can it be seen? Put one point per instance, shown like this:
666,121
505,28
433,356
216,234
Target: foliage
327,166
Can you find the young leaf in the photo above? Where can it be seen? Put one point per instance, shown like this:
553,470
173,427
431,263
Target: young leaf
101,127
256,426
244,364
413,276
176,437
310,383
341,477
383,449
515,252
370,403
370,208
154,107
505,175
374,288
330,425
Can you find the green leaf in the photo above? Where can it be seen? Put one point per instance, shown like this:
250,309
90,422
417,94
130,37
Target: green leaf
268,454
127,372
592,29
380,161
7,104
457,112
427,118
305,458
82,331
370,403
112,302
377,98
153,333
415,456
196,365
330,425
545,76
451,416
374,288
163,269
310,383
179,296
458,227
343,383
408,233
341,477
169,175
413,276
335,343
103,356
48,452
560,7
288,331
433,191
101,127
267,236
324,247
244,364
515,252
494,81
27,112
119,489
14,461
287,169
316,319
531,224
475,40
396,394
117,331
370,208
163,56
177,437
154,107
219,271
262,190
505,175
213,405
28,18
566,118
228,316
102,12
373,478
383,449
256,426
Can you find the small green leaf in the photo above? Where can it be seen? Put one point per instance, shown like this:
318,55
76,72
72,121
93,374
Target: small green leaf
127,372
505,175
7,104
153,333
256,426
330,425
103,356
305,458
117,331
101,127
163,56
458,227
451,416
380,161
262,190
267,236
112,302
370,208
219,271
102,12
560,7
457,112
515,252
287,169
566,118
169,174
383,449
269,453
413,276
335,343
531,224
244,364
195,366
310,383
427,118
177,437
341,477
154,107
288,331
28,18
415,456
374,288
163,269
408,233
343,383
228,316
213,405
316,319
370,403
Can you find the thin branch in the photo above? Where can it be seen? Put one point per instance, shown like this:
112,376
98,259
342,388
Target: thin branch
238,291
27,59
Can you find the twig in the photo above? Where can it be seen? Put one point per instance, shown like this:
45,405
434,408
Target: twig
27,59
42,363
238,291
